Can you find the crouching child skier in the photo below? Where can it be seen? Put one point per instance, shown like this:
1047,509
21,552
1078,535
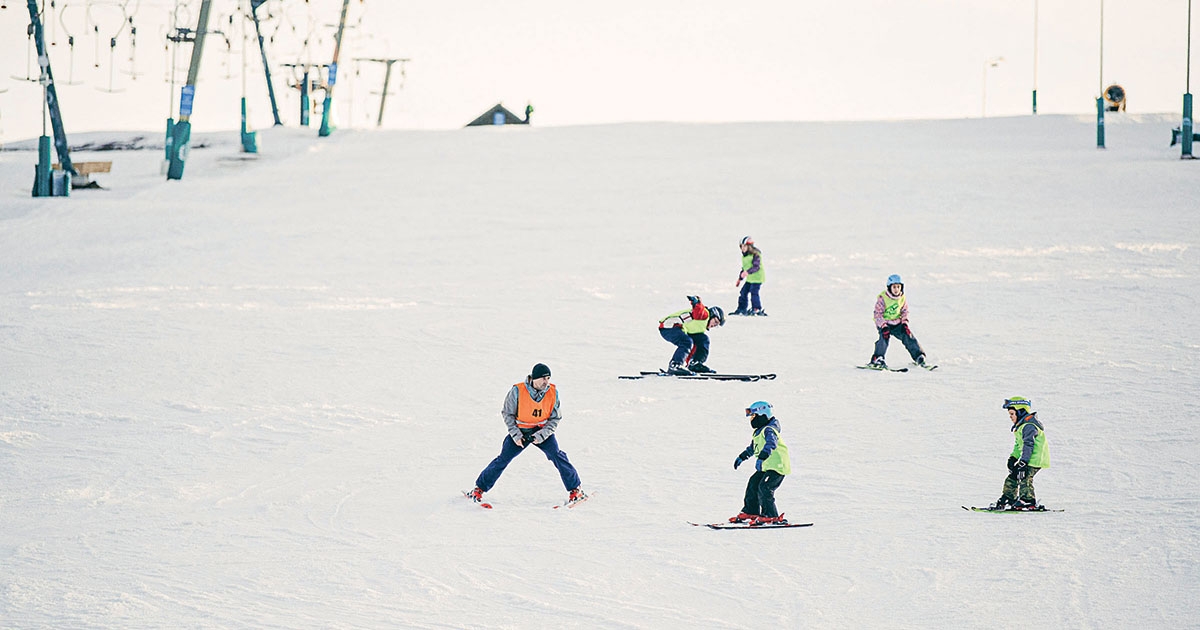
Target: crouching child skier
686,330
771,465
1029,455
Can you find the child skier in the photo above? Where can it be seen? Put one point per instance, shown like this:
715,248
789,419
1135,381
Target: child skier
891,320
752,273
686,329
771,466
1029,455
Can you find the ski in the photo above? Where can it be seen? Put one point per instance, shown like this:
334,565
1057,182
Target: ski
745,526
706,376
570,504
482,504
981,509
881,368
926,366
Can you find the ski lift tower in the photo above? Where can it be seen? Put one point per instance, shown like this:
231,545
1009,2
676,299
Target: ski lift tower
387,77
326,111
262,48
42,186
183,129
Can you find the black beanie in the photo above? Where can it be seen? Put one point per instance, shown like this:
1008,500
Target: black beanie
539,371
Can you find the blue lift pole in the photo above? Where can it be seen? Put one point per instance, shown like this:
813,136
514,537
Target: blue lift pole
254,4
333,70
1186,128
60,136
183,127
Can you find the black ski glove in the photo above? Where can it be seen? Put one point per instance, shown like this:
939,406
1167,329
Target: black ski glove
1020,470
1011,462
738,462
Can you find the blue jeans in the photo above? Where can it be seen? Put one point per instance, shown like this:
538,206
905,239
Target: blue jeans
687,347
750,293
510,450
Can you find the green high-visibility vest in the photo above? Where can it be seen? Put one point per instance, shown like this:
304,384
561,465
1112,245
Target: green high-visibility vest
891,305
690,326
778,460
758,276
1040,457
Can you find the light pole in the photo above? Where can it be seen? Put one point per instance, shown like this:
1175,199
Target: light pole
1100,98
1035,54
1185,130
990,63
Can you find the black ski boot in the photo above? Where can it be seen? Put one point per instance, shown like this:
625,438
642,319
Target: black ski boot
677,369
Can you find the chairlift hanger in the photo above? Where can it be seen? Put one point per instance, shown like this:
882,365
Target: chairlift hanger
62,20
28,57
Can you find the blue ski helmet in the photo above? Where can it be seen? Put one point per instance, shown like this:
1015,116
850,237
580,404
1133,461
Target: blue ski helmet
894,279
1020,403
760,408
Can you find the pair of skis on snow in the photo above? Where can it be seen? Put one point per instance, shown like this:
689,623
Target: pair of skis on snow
749,526
1018,511
703,376
487,506
884,368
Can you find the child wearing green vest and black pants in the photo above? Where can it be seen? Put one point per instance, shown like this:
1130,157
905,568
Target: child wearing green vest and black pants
1029,455
771,465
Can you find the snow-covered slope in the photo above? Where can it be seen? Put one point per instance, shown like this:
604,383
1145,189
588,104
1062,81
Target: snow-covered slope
251,398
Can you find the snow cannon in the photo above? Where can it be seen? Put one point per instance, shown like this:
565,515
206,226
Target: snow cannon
1114,98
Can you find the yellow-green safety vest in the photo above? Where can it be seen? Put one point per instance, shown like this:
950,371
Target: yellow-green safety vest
891,305
778,460
758,276
690,326
1040,457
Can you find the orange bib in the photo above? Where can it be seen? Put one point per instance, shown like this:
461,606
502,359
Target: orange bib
530,414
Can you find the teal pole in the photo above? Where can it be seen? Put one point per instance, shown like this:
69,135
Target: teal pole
333,70
41,180
249,138
1186,129
170,142
304,100
1100,99
183,127
50,92
254,4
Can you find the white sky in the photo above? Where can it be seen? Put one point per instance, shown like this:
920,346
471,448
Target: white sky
624,60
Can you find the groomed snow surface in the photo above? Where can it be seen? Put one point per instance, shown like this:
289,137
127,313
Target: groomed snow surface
251,398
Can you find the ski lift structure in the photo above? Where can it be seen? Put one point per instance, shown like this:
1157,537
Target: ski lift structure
387,77
308,84
47,182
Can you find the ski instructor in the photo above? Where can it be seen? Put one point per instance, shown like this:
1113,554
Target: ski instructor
531,415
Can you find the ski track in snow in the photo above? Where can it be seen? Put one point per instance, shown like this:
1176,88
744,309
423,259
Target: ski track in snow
253,397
